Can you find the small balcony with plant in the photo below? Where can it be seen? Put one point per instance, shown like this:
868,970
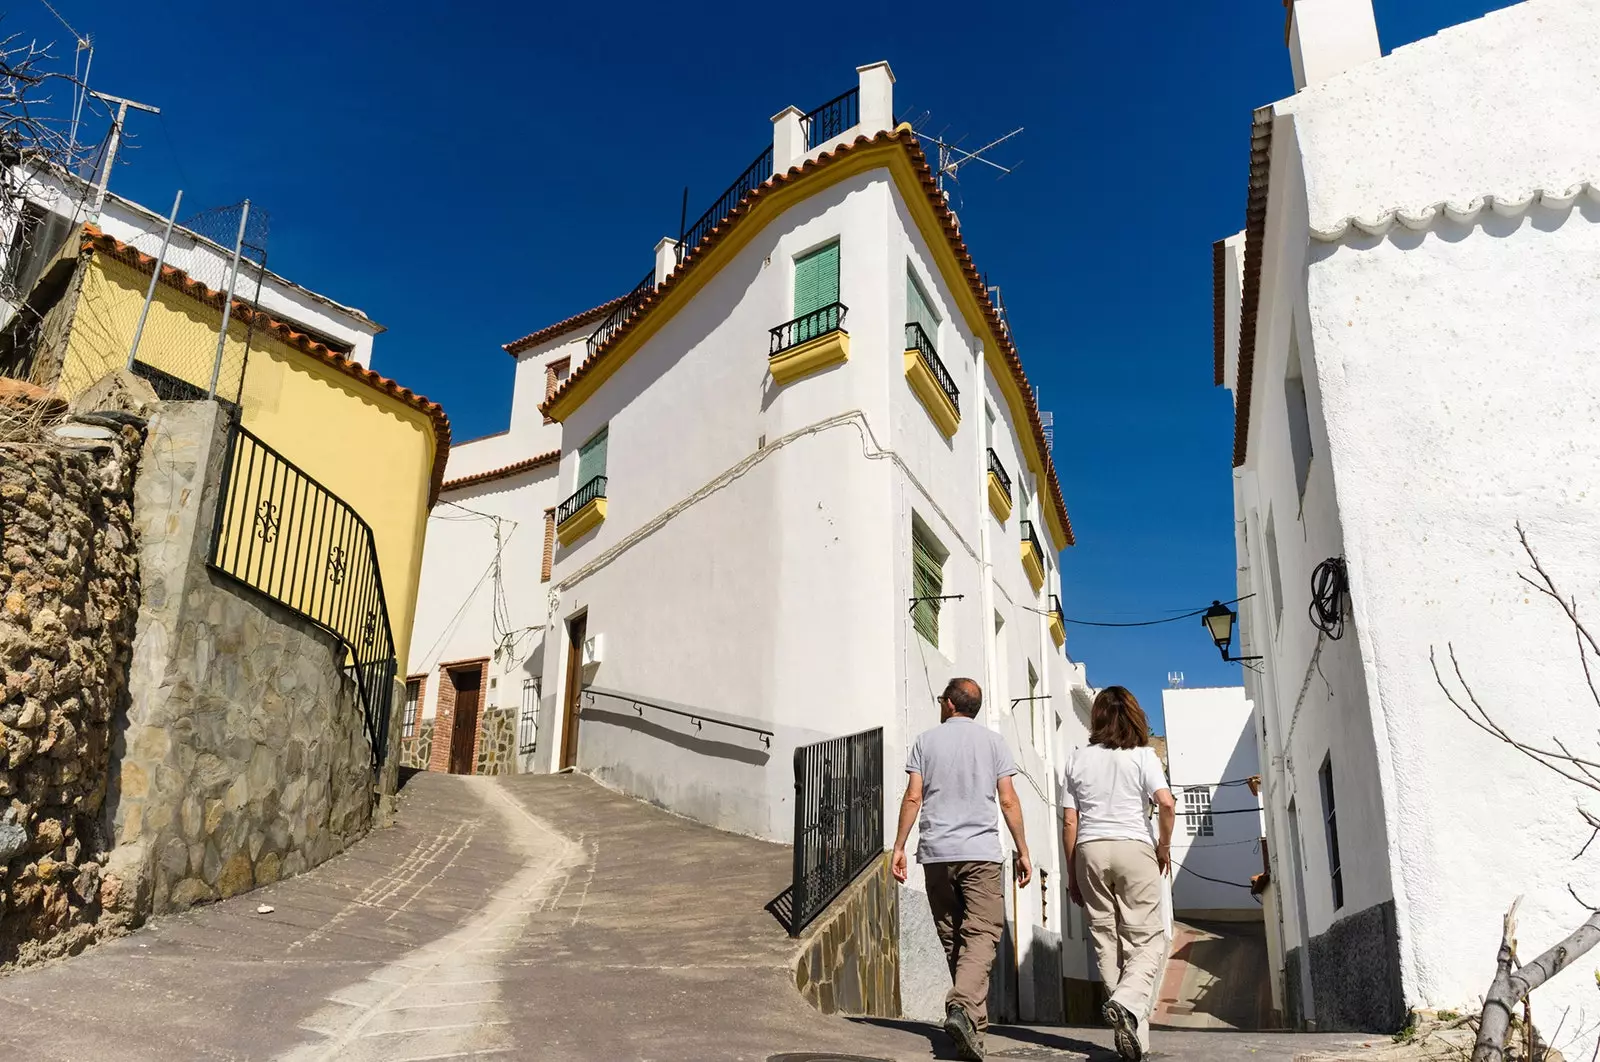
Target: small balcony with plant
931,381
1058,622
1032,556
809,343
999,489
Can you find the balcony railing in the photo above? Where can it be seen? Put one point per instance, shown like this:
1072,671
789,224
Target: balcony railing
809,326
1055,607
753,177
284,535
620,316
999,472
595,488
917,339
838,818
1030,538
832,118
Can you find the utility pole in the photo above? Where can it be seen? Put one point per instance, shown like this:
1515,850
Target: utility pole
116,137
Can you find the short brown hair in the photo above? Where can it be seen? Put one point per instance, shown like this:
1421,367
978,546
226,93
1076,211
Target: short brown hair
965,696
1116,720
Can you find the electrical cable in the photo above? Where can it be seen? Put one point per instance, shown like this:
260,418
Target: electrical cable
1204,877
1143,623
1330,584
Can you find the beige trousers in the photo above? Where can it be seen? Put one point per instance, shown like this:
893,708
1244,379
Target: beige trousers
1121,886
969,913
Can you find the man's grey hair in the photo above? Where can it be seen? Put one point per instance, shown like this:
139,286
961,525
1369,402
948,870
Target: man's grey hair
965,696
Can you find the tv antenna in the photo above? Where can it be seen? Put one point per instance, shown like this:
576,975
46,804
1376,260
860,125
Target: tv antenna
951,156
1175,680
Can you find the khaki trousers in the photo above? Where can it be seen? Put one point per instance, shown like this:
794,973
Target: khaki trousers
969,913
1121,886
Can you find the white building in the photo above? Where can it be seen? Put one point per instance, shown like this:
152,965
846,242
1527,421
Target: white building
803,482
1409,328
1216,844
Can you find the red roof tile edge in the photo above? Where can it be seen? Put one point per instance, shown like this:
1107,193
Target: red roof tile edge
1255,235
533,339
919,162
503,471
97,241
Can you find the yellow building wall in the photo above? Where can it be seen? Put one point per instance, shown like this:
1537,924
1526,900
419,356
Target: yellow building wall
372,450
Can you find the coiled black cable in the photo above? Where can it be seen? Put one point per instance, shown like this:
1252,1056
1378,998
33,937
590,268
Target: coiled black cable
1330,584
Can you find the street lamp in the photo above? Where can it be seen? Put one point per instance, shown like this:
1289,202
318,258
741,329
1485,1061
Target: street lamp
1219,620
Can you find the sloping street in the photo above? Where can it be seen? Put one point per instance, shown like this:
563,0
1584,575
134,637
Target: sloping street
539,917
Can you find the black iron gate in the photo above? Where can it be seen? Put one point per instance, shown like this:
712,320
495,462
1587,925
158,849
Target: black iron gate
838,818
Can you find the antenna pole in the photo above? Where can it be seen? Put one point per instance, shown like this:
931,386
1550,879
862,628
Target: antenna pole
116,138
155,278
227,301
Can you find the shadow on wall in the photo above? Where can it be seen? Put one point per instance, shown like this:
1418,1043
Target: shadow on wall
691,742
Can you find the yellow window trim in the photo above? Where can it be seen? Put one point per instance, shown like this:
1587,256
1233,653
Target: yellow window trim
884,154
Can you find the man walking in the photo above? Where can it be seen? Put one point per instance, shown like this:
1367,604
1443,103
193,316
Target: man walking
957,771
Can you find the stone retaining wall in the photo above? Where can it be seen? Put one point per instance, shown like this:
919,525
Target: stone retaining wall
849,961
69,580
418,748
497,742
244,757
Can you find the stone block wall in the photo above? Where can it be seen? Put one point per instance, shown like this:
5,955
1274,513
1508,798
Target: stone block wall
69,581
497,742
849,961
243,758
416,750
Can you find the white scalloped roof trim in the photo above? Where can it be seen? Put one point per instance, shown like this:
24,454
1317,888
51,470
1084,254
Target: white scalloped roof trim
1507,206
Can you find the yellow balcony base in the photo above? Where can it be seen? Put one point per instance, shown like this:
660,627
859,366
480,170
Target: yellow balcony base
581,522
1033,564
943,411
999,500
1058,630
809,357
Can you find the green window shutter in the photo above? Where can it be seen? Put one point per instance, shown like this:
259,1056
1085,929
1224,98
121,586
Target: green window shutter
918,310
816,280
927,581
592,457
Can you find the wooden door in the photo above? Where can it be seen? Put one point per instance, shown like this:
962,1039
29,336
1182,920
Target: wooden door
576,630
464,730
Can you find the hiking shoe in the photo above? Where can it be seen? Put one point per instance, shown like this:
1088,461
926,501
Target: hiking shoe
969,1046
1125,1030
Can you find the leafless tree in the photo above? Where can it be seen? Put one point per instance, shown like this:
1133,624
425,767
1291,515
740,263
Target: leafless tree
1514,980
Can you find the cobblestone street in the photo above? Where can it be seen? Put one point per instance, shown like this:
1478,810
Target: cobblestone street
539,918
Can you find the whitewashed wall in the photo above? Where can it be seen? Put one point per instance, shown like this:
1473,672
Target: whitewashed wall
1211,739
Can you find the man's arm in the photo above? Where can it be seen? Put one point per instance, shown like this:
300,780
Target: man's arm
1011,808
1069,844
909,806
1165,818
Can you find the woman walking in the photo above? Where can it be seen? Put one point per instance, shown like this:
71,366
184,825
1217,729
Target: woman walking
1113,871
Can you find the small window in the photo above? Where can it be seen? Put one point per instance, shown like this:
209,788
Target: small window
592,458
408,721
816,280
1294,395
1274,572
1197,811
927,581
1330,824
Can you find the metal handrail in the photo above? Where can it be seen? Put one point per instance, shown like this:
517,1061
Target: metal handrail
282,534
1000,473
753,177
618,317
595,488
917,339
819,322
1032,539
832,118
699,719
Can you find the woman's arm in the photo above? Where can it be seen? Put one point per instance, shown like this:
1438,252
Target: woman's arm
1069,845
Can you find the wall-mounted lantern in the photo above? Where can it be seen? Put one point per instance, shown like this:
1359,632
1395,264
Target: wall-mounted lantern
1219,620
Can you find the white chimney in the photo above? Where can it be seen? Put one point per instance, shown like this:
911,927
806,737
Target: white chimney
876,82
1328,37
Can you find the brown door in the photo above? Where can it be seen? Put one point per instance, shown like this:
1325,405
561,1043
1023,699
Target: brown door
576,629
465,728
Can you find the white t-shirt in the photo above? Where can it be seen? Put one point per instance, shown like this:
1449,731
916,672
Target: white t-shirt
1112,789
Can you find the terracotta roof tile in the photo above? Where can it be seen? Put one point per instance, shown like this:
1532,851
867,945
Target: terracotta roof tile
1255,235
908,140
503,471
533,339
97,241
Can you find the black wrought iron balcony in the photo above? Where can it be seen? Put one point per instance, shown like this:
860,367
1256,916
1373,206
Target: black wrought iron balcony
1055,606
623,313
999,472
753,177
590,491
833,118
806,327
1031,539
917,339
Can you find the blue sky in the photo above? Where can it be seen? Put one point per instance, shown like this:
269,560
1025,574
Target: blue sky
468,172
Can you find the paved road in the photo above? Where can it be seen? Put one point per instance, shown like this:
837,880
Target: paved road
533,918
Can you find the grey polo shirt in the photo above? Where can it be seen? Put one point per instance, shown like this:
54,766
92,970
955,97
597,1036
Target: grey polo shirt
960,761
